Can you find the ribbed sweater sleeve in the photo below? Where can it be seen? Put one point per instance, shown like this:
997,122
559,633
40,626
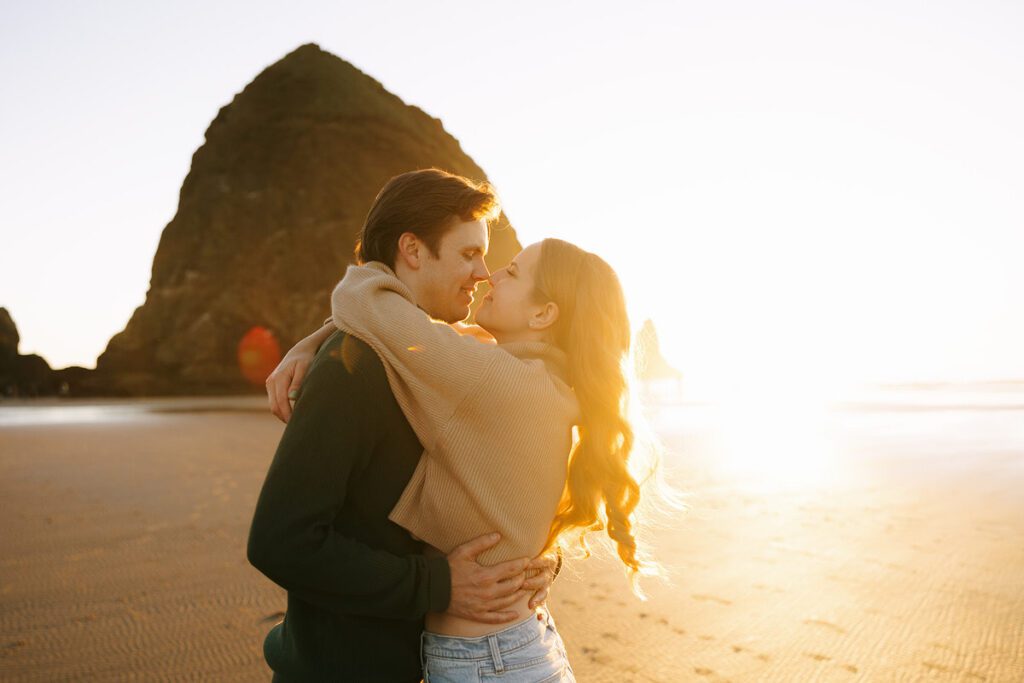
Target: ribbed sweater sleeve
430,366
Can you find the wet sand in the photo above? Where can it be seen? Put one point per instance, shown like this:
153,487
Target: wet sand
124,558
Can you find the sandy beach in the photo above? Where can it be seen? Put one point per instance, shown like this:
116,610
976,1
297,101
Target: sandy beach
884,552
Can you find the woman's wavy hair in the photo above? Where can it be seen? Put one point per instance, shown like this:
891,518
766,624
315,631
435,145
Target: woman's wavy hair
602,490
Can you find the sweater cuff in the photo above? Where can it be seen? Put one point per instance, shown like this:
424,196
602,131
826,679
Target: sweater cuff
439,583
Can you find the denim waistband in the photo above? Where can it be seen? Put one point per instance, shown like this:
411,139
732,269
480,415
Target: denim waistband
487,647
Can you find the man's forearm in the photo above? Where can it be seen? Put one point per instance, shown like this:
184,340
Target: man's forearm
348,577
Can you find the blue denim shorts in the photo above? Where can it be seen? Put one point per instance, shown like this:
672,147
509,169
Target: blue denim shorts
528,652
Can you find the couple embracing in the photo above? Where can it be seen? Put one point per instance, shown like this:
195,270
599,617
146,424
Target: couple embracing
431,470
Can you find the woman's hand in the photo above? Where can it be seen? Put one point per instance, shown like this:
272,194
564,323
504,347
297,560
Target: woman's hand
547,568
284,382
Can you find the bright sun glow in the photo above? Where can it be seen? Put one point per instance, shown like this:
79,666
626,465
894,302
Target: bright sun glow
774,441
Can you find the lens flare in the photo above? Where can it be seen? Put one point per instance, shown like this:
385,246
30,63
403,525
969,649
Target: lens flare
258,354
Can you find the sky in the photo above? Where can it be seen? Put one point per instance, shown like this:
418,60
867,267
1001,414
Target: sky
814,194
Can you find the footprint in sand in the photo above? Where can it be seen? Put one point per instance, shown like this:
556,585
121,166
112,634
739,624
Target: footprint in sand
611,636
702,671
679,631
712,598
932,666
851,668
817,656
594,655
826,624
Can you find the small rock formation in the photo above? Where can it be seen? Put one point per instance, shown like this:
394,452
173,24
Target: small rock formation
650,364
9,337
267,221
22,376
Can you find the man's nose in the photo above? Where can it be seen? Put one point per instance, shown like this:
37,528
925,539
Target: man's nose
480,271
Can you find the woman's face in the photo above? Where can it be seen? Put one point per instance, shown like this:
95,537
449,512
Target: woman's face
506,310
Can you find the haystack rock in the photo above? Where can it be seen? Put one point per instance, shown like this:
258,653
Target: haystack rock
267,221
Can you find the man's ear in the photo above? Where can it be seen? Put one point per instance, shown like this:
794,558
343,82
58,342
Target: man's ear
410,249
545,317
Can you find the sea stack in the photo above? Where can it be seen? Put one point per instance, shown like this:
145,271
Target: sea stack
21,376
267,221
650,364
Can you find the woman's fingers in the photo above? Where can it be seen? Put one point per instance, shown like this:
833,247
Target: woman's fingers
545,562
300,367
272,397
535,583
539,598
283,386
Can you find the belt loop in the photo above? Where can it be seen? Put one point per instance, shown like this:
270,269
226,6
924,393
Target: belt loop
499,666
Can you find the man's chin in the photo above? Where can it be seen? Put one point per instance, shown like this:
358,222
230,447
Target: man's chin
459,315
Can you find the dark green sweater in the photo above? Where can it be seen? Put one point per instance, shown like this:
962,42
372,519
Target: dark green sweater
358,584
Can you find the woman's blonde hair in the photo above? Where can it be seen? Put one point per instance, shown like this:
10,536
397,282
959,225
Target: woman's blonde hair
593,330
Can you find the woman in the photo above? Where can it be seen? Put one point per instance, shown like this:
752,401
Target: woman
496,421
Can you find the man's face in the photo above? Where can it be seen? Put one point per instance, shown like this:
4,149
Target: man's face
446,283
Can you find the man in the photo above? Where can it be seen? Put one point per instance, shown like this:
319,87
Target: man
359,585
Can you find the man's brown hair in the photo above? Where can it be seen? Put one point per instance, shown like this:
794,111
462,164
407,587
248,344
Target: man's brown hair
424,203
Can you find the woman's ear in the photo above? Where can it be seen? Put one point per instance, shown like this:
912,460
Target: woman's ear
545,317
409,249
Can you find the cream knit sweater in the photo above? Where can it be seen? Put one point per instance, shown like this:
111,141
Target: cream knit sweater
495,420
